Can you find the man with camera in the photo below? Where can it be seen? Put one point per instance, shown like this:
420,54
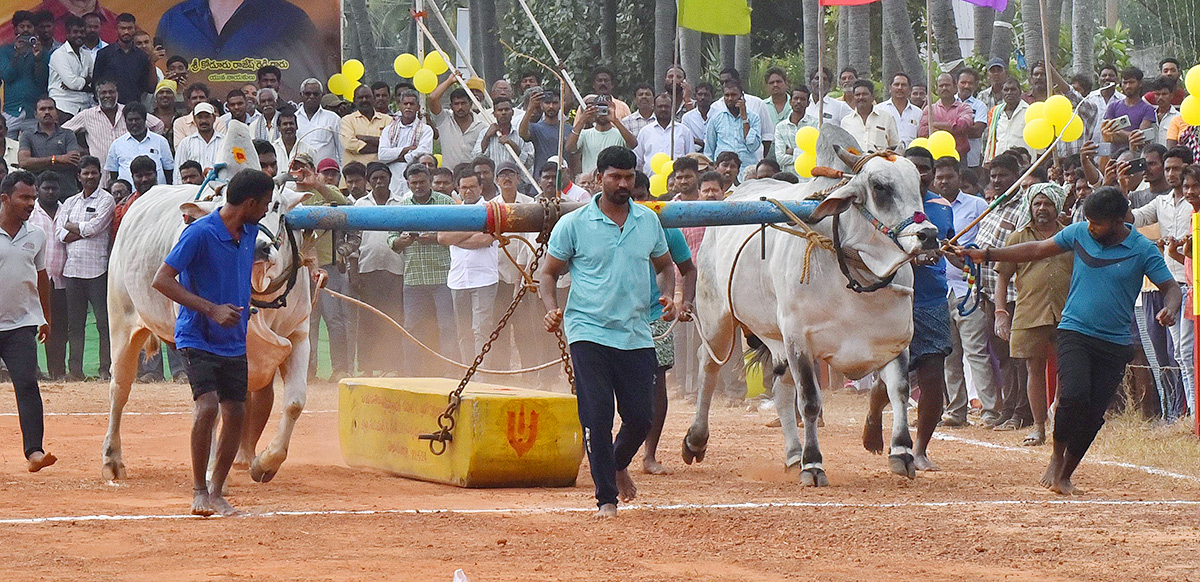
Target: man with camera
23,71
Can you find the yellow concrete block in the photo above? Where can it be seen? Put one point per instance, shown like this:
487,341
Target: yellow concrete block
505,437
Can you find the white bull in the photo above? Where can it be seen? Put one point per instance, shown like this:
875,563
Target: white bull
820,319
277,339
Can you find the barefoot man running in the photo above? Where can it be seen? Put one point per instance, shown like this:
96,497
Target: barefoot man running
1093,337
608,247
213,260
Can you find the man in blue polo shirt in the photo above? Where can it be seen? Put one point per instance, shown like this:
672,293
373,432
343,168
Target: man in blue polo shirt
609,247
931,341
1093,337
213,260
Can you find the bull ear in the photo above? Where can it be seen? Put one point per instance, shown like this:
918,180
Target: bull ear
290,199
849,156
837,202
198,209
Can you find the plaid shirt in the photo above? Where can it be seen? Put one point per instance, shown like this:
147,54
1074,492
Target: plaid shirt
993,233
87,258
56,252
425,264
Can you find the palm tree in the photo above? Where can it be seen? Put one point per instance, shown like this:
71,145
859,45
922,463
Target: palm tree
897,28
843,38
664,38
1083,39
1002,36
1031,25
608,31
858,51
945,31
985,19
814,21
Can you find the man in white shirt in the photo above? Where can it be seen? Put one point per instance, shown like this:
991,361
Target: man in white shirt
459,128
834,109
237,109
663,136
906,115
317,126
71,70
968,82
1106,95
697,119
507,180
139,141
494,142
1006,122
289,145
204,146
405,139
874,131
474,273
266,125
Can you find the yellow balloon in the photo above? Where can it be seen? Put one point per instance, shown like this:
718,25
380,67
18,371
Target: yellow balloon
1035,111
353,69
338,83
435,62
806,139
805,163
920,142
406,65
941,143
657,161
350,88
438,157
1189,110
1193,80
1038,133
1073,129
1057,110
667,168
658,184
425,81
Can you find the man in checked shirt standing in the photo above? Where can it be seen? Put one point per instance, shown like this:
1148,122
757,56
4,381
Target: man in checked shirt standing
993,232
83,223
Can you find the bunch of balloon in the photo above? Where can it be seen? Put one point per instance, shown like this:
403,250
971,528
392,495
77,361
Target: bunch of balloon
940,144
424,75
806,156
662,165
345,82
1189,110
1054,117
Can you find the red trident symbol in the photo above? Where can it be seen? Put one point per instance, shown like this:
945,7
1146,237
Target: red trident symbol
522,431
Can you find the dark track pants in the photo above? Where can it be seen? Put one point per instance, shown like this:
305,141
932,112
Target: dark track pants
18,349
1090,370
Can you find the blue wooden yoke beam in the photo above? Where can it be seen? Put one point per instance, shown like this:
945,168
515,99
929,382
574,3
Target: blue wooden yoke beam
528,217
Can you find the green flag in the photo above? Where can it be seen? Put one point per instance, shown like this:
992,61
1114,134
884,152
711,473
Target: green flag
730,17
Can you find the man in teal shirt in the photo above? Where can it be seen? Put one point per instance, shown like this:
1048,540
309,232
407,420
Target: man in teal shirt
609,247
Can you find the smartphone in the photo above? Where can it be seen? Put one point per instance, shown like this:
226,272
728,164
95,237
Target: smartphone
1138,165
1104,149
1122,123
413,234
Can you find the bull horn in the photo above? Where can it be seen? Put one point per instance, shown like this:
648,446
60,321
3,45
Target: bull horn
848,156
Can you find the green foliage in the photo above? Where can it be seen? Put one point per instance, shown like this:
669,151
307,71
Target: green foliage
792,63
1114,46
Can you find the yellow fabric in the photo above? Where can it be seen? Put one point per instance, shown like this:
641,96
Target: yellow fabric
715,16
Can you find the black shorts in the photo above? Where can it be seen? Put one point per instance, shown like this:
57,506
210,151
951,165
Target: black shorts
208,372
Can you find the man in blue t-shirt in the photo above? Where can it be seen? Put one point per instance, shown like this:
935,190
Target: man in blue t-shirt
1093,337
611,248
213,260
931,320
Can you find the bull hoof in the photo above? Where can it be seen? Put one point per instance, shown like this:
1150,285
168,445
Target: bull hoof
690,454
113,471
873,436
261,475
813,477
903,465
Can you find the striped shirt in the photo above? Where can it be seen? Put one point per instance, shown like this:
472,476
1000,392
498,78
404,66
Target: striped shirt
56,252
101,132
87,258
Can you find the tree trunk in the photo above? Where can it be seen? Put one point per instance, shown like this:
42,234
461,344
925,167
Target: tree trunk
608,31
1031,22
890,62
897,25
477,48
1002,33
664,39
1065,11
1083,36
813,26
843,40
728,48
741,56
985,18
360,39
1110,13
1052,24
691,55
945,31
858,48
493,52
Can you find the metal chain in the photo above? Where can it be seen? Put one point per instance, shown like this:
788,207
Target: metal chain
446,423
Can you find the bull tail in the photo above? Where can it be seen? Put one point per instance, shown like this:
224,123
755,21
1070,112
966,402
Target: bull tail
153,344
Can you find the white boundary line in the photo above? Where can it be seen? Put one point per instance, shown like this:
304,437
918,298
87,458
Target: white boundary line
666,507
1143,468
165,413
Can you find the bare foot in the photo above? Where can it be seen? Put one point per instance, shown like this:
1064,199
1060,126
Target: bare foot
1036,438
1050,475
653,467
222,507
626,490
200,503
924,463
606,511
1064,487
39,461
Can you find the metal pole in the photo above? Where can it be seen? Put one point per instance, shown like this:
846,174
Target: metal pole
820,93
487,115
530,217
437,13
557,62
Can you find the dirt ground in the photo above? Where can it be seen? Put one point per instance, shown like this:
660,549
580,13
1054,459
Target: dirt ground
737,516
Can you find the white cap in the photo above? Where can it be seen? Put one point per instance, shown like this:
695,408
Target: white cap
204,107
557,161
